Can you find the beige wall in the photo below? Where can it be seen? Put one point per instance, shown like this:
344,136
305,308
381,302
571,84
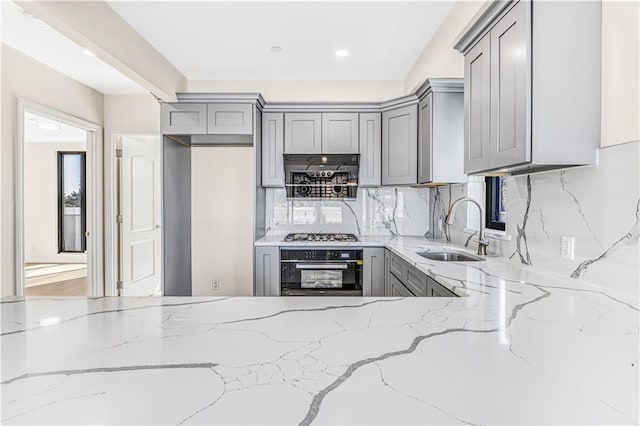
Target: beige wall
26,78
222,182
41,202
439,58
620,72
308,91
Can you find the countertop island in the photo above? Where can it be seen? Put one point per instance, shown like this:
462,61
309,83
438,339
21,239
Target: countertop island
519,347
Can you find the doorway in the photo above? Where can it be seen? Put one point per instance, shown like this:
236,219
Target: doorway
58,199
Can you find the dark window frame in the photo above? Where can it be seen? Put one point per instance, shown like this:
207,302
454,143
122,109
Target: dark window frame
492,203
83,200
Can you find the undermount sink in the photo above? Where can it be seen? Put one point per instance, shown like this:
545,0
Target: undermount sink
450,256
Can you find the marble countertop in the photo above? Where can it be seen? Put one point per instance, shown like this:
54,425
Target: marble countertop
523,347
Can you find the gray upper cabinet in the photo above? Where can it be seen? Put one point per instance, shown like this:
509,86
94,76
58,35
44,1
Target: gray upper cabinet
425,131
230,119
340,133
477,107
514,122
441,131
184,119
370,149
509,143
272,149
302,133
400,146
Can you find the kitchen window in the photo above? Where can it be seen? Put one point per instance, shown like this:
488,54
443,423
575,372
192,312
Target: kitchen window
496,213
72,205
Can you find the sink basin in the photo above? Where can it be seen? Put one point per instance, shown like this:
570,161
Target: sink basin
450,256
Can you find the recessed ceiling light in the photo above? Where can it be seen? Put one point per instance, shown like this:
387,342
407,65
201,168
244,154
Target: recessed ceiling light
48,125
276,49
89,53
342,53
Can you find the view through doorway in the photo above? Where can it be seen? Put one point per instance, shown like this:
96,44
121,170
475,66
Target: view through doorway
55,207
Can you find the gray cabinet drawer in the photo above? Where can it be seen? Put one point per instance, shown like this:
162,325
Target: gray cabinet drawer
397,266
230,119
184,119
416,281
435,289
397,289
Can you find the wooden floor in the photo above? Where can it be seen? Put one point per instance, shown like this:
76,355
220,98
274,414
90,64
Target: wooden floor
55,279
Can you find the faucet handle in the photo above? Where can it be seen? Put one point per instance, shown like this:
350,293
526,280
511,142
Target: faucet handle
482,246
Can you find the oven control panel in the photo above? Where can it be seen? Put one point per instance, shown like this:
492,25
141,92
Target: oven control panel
320,254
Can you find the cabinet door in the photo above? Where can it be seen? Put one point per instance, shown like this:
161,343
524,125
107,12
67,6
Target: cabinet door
425,134
387,285
373,272
509,142
370,149
340,133
267,279
302,133
435,289
230,119
400,146
477,107
272,149
416,281
184,119
397,289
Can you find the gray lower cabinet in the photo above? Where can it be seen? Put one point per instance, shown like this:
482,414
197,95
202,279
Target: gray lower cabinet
303,133
397,289
400,146
230,119
373,272
340,133
267,270
184,119
370,149
272,149
387,285
435,289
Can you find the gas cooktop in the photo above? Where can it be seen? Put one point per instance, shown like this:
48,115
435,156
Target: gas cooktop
321,237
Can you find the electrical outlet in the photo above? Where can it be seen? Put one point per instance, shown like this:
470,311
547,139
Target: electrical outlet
215,284
567,247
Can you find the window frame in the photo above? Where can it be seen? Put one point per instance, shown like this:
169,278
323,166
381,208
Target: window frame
492,203
83,200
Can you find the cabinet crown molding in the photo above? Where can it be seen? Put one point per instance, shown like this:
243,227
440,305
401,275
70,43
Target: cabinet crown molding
483,20
451,85
232,98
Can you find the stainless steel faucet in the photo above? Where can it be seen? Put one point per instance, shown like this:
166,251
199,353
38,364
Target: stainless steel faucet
482,241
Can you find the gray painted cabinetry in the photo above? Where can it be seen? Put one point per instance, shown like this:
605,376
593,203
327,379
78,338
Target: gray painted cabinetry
229,119
513,121
405,280
272,149
370,149
340,133
441,131
373,272
184,119
400,146
267,271
303,133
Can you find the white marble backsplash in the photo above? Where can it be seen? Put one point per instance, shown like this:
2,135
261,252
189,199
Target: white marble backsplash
598,205
376,211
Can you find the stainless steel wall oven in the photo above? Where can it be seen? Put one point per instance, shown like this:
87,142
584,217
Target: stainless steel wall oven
320,272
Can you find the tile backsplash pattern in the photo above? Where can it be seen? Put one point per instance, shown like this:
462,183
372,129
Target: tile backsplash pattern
598,205
375,211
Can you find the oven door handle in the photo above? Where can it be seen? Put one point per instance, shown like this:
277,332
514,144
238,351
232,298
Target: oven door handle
324,266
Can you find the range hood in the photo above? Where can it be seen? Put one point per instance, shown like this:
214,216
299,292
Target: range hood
321,176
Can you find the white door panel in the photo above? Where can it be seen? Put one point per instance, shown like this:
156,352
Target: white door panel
141,209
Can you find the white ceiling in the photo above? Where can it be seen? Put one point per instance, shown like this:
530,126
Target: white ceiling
35,39
232,40
65,133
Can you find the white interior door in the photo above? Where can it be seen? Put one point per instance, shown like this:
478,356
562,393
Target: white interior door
141,233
